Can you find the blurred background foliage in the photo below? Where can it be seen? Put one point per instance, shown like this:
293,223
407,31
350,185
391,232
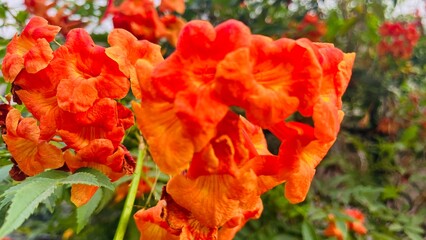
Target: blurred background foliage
377,165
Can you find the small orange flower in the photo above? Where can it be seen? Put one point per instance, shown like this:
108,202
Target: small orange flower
172,6
332,230
358,224
31,50
151,223
31,154
173,25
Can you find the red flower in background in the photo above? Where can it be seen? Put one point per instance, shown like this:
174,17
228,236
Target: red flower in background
310,27
357,225
398,39
141,18
332,230
172,6
138,17
61,17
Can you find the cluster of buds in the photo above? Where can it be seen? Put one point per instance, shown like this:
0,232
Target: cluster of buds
398,39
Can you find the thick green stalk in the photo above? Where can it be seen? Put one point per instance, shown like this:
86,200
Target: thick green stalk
130,200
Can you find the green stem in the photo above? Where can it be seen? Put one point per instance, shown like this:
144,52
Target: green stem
130,200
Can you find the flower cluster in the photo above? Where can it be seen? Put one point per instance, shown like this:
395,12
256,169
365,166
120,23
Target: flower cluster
218,161
310,27
398,39
356,225
72,94
140,17
56,16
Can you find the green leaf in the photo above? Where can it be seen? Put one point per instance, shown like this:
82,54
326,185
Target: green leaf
22,16
81,178
25,202
308,232
4,172
84,212
106,198
413,235
51,174
382,236
51,201
341,224
9,194
103,180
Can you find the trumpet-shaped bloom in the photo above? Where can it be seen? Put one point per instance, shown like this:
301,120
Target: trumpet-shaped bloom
180,99
86,73
31,50
169,220
215,199
107,119
126,50
31,154
199,50
268,81
218,187
151,225
304,146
